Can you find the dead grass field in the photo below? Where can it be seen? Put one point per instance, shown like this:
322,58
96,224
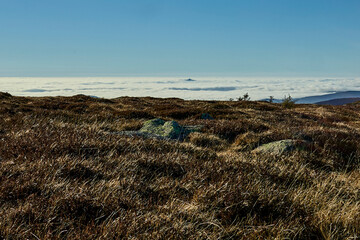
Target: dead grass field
65,174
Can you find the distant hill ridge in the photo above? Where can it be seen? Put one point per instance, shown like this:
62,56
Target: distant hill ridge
339,101
337,98
332,96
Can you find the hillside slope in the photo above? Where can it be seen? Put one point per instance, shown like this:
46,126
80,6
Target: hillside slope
339,101
328,97
67,173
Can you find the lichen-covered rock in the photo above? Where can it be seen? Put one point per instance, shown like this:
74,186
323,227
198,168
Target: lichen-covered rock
154,126
172,130
158,128
281,147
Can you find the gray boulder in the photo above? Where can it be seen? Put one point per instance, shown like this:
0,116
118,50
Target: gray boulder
160,129
281,147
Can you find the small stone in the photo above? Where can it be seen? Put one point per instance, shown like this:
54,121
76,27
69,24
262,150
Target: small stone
206,116
281,147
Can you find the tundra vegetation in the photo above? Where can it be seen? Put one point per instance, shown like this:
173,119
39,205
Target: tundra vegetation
66,174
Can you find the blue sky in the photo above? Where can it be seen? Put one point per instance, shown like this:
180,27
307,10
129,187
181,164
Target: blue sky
180,38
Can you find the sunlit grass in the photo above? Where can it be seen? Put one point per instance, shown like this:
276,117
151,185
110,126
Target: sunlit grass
66,174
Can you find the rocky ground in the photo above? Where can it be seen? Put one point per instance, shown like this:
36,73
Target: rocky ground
145,168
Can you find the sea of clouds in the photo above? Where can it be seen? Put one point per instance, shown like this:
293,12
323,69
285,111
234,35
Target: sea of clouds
209,88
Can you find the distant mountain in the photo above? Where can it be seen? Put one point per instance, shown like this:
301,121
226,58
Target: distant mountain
339,101
190,80
329,97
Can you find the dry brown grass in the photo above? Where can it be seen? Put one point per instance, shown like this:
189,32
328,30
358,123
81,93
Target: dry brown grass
65,174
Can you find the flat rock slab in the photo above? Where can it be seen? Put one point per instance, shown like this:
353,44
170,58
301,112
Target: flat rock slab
160,129
281,147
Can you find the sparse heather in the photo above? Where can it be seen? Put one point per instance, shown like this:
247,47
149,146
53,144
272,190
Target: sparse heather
66,174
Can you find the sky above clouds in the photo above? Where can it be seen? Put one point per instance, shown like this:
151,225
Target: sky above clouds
179,38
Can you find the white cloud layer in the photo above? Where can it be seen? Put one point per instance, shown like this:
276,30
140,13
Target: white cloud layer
202,88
